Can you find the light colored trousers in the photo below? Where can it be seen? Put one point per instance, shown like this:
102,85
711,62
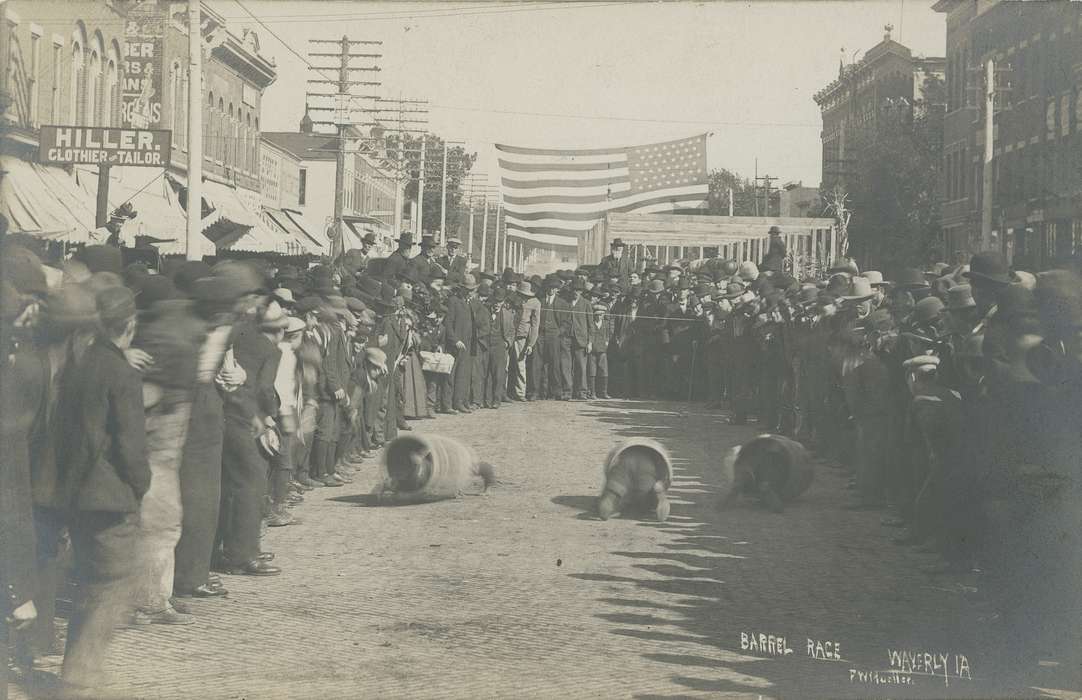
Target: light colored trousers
518,361
161,514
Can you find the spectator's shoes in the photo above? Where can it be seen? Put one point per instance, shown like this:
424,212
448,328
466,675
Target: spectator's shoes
169,616
204,591
251,568
331,481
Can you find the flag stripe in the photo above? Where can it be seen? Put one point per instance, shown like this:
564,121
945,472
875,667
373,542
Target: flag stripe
536,184
576,228
572,176
598,160
561,152
618,202
543,194
567,228
509,200
557,167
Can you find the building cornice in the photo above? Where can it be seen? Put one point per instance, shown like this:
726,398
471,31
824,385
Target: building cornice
232,51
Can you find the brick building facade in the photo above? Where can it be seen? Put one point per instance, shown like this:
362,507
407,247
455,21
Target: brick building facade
63,63
887,73
1037,156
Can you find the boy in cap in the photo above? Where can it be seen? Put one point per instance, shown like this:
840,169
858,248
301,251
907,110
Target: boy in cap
104,473
597,360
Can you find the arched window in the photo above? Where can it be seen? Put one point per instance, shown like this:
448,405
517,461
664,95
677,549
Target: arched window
231,150
219,146
93,82
255,145
182,137
176,107
252,145
77,88
208,126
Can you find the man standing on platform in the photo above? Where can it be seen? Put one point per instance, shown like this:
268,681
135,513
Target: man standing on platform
398,262
776,253
616,264
454,262
424,265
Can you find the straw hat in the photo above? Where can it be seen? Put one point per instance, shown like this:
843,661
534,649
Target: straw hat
860,289
748,271
960,296
274,318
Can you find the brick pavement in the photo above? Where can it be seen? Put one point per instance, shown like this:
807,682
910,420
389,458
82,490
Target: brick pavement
522,593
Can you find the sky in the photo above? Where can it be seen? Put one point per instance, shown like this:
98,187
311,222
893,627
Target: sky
597,74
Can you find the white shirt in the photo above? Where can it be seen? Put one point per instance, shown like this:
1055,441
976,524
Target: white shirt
285,381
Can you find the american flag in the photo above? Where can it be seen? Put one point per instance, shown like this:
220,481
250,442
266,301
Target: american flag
553,196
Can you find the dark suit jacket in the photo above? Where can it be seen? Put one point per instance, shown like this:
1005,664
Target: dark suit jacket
336,362
423,267
561,310
259,357
600,337
482,324
622,268
581,315
550,322
458,322
505,325
104,459
22,397
396,263
681,326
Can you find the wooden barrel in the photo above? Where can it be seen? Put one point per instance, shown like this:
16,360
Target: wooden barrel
661,457
450,467
779,451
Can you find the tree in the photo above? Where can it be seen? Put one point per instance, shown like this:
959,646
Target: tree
723,181
403,156
894,182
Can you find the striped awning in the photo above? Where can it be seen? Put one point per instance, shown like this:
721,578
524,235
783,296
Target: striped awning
292,227
45,201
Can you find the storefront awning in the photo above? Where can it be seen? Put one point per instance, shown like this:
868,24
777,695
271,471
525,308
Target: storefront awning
358,226
227,205
159,215
46,202
294,228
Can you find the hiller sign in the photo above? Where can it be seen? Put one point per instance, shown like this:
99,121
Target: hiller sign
100,145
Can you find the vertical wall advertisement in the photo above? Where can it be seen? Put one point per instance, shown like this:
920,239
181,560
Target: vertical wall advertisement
141,96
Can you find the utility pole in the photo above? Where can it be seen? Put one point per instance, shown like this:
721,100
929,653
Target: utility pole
767,179
419,228
194,230
730,201
443,197
341,119
987,172
469,234
499,212
484,233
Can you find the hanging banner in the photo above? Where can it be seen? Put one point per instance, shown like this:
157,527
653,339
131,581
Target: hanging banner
141,92
99,145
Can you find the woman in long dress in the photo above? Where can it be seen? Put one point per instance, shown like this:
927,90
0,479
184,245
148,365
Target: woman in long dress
415,405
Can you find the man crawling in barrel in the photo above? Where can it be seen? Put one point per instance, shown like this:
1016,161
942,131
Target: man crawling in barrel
637,479
431,468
